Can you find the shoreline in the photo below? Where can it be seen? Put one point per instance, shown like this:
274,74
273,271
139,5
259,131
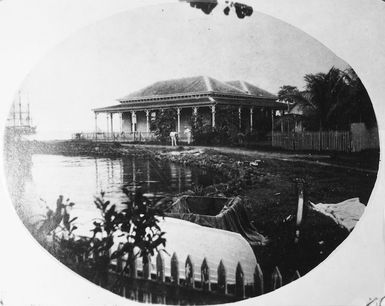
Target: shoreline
268,187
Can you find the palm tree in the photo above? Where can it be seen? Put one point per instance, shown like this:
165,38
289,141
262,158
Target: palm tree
356,106
334,100
323,92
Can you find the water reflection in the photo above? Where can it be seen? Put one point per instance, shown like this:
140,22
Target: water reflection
36,181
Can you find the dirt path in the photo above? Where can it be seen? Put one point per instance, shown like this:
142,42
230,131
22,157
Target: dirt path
311,159
303,158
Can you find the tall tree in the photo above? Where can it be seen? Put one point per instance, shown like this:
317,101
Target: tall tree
323,91
357,106
332,100
286,92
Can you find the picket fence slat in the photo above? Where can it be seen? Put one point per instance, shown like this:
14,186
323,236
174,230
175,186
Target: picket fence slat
174,269
189,272
160,269
133,268
119,260
276,279
239,282
205,276
147,268
296,276
222,282
314,141
259,287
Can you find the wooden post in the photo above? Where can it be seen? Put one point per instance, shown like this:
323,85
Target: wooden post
213,116
276,279
300,207
195,113
239,117
178,116
282,124
160,276
133,121
239,282
174,269
147,275
121,122
189,272
133,273
133,266
147,268
112,123
119,260
251,119
259,287
205,276
147,121
272,127
222,282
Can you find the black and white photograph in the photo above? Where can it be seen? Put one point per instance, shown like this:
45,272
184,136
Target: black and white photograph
191,153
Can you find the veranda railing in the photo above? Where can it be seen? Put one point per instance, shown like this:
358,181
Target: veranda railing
122,137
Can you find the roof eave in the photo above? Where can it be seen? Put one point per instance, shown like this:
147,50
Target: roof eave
194,94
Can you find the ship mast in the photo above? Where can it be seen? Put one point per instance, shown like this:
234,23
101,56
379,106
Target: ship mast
28,115
20,113
19,120
14,114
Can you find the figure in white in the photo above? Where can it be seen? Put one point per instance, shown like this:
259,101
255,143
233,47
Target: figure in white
173,138
187,131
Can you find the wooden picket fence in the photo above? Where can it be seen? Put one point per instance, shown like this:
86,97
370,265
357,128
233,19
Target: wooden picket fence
145,285
137,280
313,141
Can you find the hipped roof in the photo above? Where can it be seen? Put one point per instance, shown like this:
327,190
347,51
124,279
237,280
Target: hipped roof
198,90
183,86
251,89
197,85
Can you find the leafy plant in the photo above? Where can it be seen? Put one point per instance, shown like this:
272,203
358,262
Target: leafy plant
226,130
163,124
135,226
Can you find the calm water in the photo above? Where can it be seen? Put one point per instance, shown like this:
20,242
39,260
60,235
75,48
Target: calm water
36,182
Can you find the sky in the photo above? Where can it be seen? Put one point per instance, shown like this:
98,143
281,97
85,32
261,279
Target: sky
126,52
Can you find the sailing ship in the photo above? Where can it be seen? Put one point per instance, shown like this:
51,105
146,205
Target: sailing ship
19,122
